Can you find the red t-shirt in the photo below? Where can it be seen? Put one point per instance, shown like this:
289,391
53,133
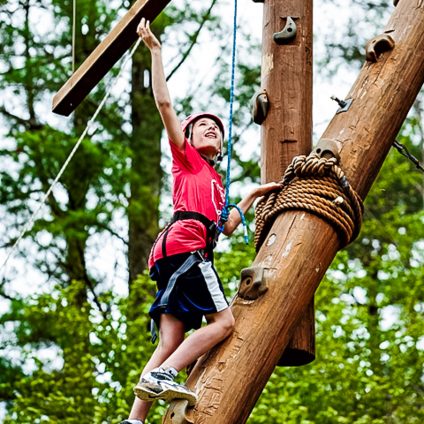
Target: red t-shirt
197,187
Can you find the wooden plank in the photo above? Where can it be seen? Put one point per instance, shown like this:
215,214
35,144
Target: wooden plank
104,56
230,378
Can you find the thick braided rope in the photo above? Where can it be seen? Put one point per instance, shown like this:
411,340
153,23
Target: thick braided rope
316,185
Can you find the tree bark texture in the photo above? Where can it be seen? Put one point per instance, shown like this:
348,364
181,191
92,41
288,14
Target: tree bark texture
79,184
301,246
146,173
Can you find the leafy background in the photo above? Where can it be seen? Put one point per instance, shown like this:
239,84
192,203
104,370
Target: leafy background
74,300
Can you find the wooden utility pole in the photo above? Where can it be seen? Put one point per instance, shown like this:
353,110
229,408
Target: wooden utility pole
300,246
286,77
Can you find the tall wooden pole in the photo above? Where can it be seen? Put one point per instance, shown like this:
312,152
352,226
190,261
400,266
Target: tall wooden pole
287,130
301,246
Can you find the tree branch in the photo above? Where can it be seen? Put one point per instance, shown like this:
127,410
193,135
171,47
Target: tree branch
18,119
184,56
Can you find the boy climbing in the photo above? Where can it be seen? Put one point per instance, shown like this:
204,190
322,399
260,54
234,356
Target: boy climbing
181,257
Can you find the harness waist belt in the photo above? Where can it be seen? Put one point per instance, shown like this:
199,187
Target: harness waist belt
209,224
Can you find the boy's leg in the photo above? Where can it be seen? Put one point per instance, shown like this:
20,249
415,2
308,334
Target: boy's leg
220,326
160,385
171,335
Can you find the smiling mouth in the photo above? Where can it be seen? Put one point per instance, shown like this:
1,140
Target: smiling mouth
210,135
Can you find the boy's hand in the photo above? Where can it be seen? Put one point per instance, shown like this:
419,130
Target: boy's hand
144,32
266,188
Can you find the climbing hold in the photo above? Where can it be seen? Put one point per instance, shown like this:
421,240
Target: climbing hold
395,2
377,46
181,413
253,284
327,148
287,33
258,1
344,104
260,106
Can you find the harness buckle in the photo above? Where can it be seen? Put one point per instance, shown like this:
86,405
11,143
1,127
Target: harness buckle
201,253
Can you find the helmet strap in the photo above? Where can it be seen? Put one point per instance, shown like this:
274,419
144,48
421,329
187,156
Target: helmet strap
189,132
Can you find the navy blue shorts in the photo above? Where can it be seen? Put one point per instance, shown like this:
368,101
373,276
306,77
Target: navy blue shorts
196,292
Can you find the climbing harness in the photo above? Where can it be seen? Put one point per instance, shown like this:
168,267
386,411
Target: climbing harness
211,231
317,185
227,206
89,129
196,257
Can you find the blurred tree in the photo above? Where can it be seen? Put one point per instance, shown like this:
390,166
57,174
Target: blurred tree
73,349
114,176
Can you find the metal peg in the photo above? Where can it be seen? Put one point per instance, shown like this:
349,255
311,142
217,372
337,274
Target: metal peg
344,104
327,148
181,413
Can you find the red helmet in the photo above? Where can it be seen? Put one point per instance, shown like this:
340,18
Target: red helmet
195,116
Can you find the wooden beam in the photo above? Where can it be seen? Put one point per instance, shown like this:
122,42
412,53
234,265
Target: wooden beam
104,56
300,246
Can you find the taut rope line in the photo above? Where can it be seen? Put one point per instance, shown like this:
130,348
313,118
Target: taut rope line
89,126
74,18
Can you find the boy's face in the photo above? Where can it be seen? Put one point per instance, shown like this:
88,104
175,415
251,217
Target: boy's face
206,137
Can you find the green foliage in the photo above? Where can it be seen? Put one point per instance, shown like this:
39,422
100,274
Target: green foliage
97,362
72,351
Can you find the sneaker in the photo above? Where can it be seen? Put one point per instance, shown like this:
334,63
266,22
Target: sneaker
151,382
131,422
159,384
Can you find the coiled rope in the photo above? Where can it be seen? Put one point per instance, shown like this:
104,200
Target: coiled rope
316,185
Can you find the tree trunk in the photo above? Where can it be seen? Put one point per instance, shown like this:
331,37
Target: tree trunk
78,186
230,378
146,173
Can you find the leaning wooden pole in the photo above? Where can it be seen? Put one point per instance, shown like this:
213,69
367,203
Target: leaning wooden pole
300,246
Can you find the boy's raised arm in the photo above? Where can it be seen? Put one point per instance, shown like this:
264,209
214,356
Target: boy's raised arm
160,88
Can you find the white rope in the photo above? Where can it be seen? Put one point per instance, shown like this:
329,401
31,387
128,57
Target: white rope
74,18
90,125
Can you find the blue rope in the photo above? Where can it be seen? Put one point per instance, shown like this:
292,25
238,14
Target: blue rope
227,206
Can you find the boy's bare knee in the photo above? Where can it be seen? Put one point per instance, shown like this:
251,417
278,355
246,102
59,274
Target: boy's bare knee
228,325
